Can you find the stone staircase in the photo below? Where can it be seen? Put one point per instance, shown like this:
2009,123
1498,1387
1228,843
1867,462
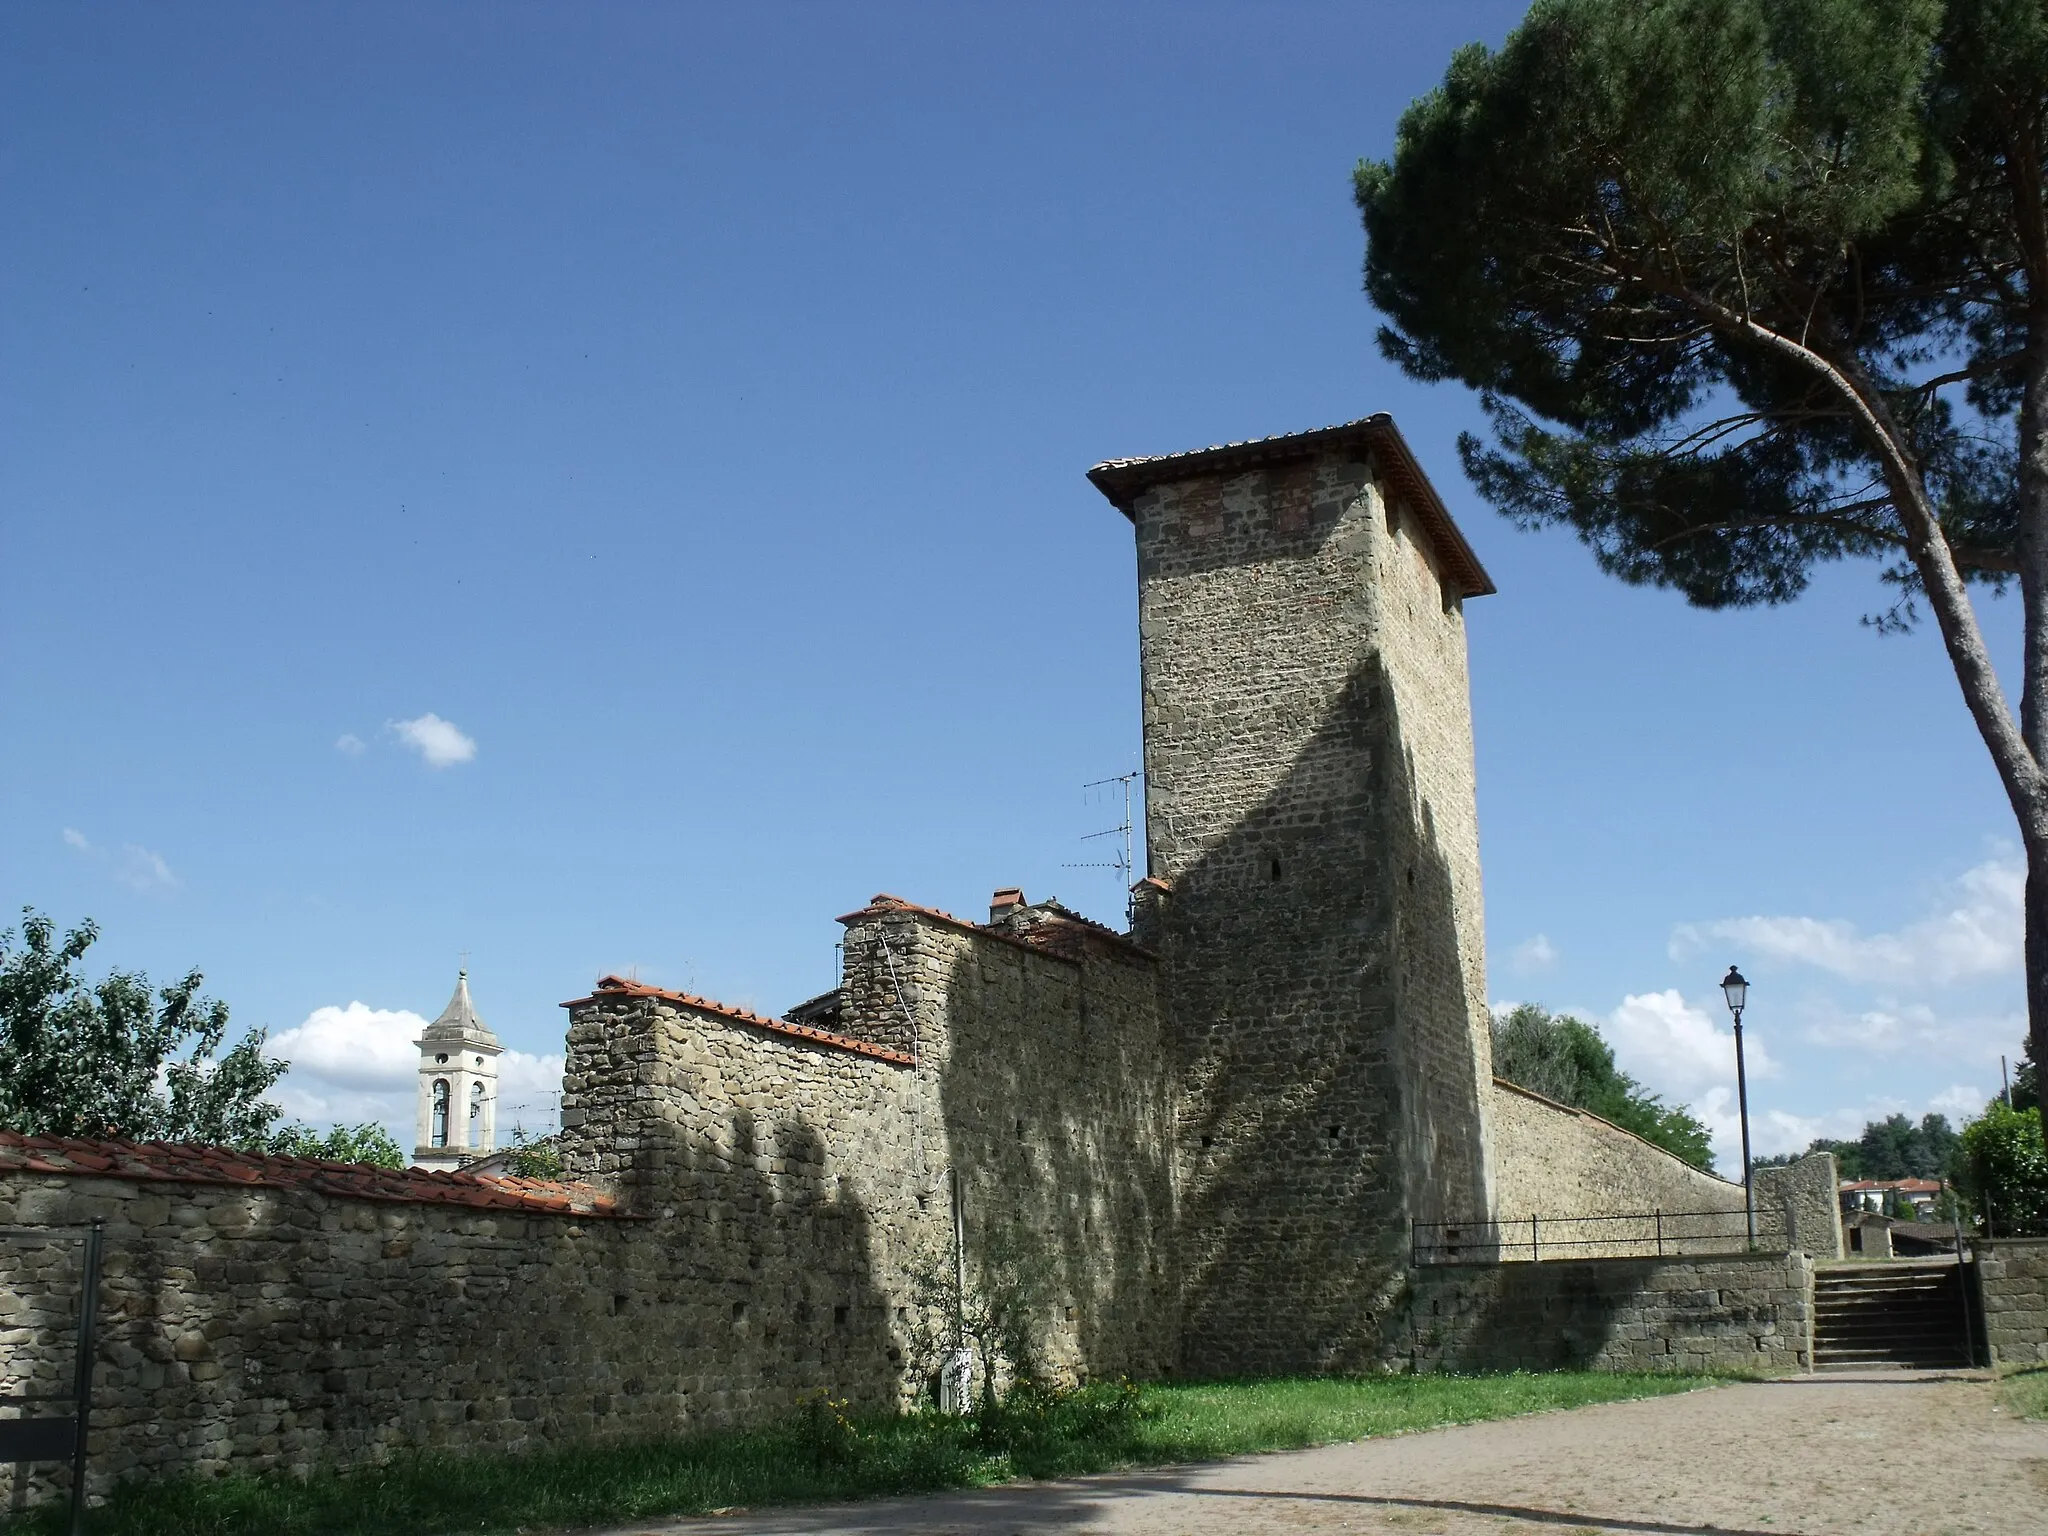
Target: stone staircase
1899,1312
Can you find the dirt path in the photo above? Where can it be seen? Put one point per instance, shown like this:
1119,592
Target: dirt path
1889,1454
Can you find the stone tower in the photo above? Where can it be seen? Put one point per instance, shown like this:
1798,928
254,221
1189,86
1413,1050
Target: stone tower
1313,879
458,1099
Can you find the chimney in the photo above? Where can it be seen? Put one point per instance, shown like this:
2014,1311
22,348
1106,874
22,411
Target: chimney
1004,904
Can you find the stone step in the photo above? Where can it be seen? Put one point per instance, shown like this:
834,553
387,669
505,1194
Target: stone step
1890,1314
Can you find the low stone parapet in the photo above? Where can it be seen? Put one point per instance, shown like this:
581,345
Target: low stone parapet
1738,1312
2012,1282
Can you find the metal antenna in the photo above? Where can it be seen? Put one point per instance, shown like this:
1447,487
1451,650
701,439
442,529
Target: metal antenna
1121,860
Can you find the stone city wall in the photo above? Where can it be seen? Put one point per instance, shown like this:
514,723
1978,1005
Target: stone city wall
1558,1163
1552,1161
279,1328
1049,1091
1738,1312
2012,1281
752,1201
1026,1059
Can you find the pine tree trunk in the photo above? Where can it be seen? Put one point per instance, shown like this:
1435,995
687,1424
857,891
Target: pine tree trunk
2037,957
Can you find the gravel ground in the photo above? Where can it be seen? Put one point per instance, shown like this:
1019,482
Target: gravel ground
1883,1453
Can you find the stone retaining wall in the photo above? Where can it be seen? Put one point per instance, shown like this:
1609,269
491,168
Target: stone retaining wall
1743,1312
2012,1279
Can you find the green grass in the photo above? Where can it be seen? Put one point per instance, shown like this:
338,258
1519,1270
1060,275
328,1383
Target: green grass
824,1456
2025,1392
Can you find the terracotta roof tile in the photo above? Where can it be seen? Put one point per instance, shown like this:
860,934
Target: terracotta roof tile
882,904
178,1163
1122,480
620,986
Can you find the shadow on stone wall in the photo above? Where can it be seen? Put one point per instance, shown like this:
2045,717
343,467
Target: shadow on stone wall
1057,1117
284,1330
1540,1317
762,1264
1322,1035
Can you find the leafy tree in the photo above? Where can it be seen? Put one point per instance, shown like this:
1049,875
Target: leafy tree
996,1307
120,1059
1565,1059
1892,1148
532,1157
2026,1083
1748,285
366,1143
2004,1172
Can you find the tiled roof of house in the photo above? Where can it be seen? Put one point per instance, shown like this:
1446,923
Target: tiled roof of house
621,986
1122,480
1063,930
882,904
1903,1186
178,1163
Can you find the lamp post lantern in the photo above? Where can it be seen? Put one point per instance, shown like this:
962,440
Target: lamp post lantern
1736,990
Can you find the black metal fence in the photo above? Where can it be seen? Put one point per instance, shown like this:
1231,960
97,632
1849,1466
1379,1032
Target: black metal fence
1632,1235
37,1434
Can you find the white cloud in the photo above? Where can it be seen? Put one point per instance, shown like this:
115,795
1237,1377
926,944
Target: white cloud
529,1093
1892,1027
145,871
357,1047
440,742
349,743
1537,954
138,868
1977,933
1959,1101
1676,1049
1775,1131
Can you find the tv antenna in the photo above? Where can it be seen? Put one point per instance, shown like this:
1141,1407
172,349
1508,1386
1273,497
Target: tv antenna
1120,859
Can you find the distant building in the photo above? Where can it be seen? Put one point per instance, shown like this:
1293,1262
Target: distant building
458,1097
1872,1195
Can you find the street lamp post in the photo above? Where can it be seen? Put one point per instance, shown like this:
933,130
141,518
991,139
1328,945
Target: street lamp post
1736,990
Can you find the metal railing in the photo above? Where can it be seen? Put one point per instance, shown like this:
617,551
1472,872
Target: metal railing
1628,1235
48,1437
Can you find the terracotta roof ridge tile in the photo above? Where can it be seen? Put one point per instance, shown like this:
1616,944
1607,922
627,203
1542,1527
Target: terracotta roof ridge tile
883,905
1099,930
1121,479
620,986
178,1162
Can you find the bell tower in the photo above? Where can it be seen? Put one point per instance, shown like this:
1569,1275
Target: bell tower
457,1118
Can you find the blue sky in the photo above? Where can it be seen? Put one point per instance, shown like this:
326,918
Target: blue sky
601,488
